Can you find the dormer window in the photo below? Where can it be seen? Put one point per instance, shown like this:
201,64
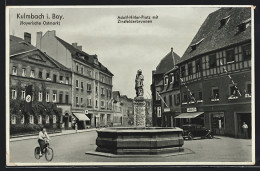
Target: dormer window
194,46
96,61
171,78
165,80
242,27
224,21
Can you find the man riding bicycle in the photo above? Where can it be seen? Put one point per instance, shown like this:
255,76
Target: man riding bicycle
43,139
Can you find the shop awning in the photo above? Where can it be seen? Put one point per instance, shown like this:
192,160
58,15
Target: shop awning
81,116
189,115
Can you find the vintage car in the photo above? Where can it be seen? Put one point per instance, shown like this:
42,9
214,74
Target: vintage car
195,130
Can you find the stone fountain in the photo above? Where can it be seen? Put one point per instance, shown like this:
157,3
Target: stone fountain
139,140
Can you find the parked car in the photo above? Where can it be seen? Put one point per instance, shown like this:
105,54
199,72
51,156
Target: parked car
194,130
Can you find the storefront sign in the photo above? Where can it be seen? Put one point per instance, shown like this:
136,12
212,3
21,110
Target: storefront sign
166,109
192,109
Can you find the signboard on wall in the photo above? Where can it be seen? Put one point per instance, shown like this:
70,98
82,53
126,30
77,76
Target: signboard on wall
191,109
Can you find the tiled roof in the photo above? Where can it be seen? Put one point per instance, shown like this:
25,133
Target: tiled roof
89,59
215,37
167,63
18,45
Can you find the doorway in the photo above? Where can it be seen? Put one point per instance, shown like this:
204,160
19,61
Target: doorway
244,117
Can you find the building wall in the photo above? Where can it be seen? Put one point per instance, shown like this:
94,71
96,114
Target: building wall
230,109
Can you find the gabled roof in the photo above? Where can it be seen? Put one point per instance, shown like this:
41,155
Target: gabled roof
115,94
214,36
167,63
89,59
18,45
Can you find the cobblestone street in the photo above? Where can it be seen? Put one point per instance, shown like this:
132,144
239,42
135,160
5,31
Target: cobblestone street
71,148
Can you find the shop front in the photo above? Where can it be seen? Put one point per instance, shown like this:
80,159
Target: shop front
82,120
66,118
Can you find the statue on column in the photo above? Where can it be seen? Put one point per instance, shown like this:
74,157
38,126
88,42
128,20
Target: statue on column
139,83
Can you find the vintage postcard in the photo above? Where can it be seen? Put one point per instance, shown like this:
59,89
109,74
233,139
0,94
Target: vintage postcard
130,85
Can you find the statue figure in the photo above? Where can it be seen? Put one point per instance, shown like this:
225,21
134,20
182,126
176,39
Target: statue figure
139,83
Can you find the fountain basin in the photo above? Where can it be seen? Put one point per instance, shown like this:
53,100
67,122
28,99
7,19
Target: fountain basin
137,140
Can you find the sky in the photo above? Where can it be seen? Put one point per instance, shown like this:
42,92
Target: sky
122,47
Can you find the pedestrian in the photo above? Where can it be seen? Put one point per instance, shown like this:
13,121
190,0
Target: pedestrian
245,130
76,127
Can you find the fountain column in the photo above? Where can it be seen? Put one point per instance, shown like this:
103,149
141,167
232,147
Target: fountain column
139,112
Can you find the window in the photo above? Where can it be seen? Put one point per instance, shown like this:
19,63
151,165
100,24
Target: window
224,21
248,88
88,87
246,50
102,79
189,68
77,67
242,27
61,79
81,101
13,119
96,90
233,90
77,100
96,104
22,119
14,94
77,83
40,74
102,91
67,80
165,102
48,76
81,85
159,112
40,96
108,118
60,98
47,119
67,99
96,75
39,119
54,97
165,80
183,71
14,70
102,103
89,102
47,96
215,94
177,102
170,99
82,69
32,74
230,55
54,119
198,65
54,78
185,98
200,95
212,61
24,72
23,95
31,119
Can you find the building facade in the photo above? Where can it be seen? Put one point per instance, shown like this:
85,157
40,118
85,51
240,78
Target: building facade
51,86
127,110
216,68
160,88
91,81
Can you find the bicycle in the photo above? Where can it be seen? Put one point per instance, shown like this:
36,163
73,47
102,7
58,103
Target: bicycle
48,151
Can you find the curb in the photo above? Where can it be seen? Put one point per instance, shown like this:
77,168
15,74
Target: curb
50,135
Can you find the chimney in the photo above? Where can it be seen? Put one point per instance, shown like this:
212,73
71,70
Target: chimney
74,45
27,37
52,33
38,39
173,57
79,48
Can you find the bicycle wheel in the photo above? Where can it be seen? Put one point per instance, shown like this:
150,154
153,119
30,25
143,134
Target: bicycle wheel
49,154
37,153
